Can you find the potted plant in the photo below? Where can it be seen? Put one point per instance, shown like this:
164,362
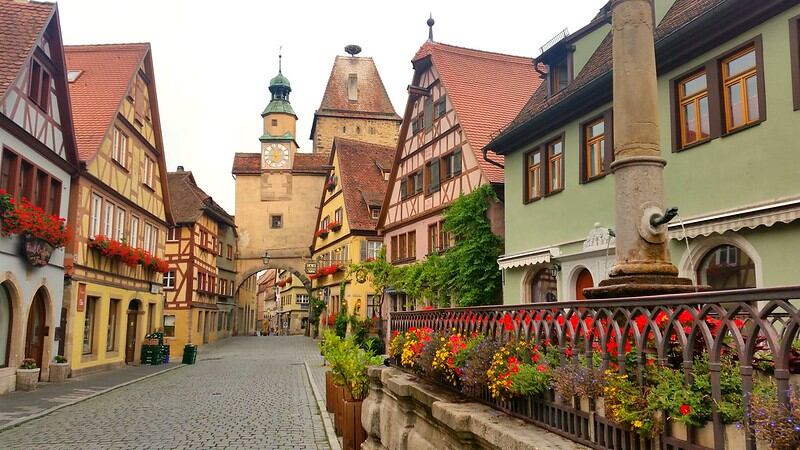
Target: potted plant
59,369
27,375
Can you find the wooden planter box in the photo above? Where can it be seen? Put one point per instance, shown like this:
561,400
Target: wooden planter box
338,410
353,434
734,437
329,391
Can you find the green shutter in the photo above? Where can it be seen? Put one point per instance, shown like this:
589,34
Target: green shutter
428,113
434,183
457,161
403,191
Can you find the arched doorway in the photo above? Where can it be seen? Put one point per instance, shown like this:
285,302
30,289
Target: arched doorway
6,324
543,287
130,331
583,281
727,267
35,332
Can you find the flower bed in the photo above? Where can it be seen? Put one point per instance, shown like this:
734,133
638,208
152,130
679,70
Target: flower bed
129,256
666,373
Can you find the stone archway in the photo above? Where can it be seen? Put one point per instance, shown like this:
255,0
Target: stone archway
280,318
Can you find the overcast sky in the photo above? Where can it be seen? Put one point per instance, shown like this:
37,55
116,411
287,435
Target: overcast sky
213,60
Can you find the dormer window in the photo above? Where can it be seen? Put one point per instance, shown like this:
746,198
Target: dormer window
558,75
39,87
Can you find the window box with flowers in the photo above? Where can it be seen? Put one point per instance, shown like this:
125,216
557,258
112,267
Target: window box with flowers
330,270
334,226
322,233
330,185
42,232
129,256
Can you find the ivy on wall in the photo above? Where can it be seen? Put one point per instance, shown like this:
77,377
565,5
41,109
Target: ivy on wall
465,275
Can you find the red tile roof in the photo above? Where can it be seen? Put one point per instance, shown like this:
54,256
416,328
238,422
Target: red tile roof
189,201
21,25
372,100
362,180
487,91
250,163
97,94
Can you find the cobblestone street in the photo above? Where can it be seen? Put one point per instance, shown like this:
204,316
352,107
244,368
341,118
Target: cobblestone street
243,393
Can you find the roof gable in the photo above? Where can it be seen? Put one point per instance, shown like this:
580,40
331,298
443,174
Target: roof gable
487,91
370,97
362,179
190,201
21,26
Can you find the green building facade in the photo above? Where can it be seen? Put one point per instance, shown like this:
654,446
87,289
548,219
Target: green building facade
732,152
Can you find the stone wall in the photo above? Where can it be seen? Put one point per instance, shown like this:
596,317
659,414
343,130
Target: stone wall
403,412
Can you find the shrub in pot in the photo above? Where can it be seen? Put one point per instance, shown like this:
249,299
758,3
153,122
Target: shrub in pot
28,375
59,369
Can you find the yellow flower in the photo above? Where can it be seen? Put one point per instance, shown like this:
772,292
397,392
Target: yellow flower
637,423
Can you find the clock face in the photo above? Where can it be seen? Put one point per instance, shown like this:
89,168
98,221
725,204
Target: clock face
276,156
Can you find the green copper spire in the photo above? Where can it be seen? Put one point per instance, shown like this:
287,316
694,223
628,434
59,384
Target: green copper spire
280,88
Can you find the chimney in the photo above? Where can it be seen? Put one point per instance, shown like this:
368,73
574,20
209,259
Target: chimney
180,168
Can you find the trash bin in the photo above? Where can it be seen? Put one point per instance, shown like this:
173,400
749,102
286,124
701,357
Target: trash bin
189,354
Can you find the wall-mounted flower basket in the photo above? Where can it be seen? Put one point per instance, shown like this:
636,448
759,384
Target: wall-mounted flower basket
334,226
130,256
322,233
281,283
331,184
37,251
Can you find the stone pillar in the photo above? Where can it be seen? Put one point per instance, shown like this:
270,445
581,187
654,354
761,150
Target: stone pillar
643,265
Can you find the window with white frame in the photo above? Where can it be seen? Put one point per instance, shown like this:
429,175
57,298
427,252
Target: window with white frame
97,211
169,280
119,148
134,241
149,171
120,224
373,249
108,220
148,229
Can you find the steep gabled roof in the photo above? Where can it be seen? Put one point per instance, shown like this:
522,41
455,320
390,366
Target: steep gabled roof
487,91
21,24
361,178
372,100
681,15
190,202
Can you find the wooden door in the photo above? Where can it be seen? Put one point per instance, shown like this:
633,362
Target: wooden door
34,338
205,328
130,336
584,281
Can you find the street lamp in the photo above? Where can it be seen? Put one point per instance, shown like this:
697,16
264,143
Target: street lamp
265,258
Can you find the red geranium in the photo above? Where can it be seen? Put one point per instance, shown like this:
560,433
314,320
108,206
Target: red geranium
685,409
25,218
129,256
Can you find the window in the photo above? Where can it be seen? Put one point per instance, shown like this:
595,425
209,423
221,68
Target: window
169,280
403,249
72,75
134,241
6,320
413,183
440,107
558,75
375,212
427,113
371,249
119,148
20,178
40,188
451,164
169,326
54,198
147,236
373,306
8,171
338,216
97,210
302,299
432,175
173,234
555,166
111,336
433,238
740,89
695,124
325,221
276,221
274,122
120,225
794,46
597,148
727,267
151,316
543,287
149,171
230,251
445,238
412,244
533,177
88,325
39,88
395,248
154,241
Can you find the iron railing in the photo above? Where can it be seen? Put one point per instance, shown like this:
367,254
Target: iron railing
737,322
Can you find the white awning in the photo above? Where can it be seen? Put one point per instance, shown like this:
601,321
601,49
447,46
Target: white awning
528,258
766,215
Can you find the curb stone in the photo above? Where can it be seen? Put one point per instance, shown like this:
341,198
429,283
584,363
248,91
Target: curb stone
333,441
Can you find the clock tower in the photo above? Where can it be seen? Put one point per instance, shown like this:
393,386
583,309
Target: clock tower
278,145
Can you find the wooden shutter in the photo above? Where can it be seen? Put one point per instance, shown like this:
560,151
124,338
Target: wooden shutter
363,251
457,161
403,191
428,113
434,182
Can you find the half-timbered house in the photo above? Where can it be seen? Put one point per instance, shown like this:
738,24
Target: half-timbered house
457,98
38,159
194,283
120,206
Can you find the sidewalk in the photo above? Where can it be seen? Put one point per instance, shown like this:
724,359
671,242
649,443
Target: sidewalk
17,407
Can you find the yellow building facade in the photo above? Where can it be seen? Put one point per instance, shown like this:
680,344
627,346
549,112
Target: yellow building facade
292,304
349,210
119,201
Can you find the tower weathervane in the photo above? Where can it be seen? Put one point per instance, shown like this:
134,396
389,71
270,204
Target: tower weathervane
430,27
280,58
